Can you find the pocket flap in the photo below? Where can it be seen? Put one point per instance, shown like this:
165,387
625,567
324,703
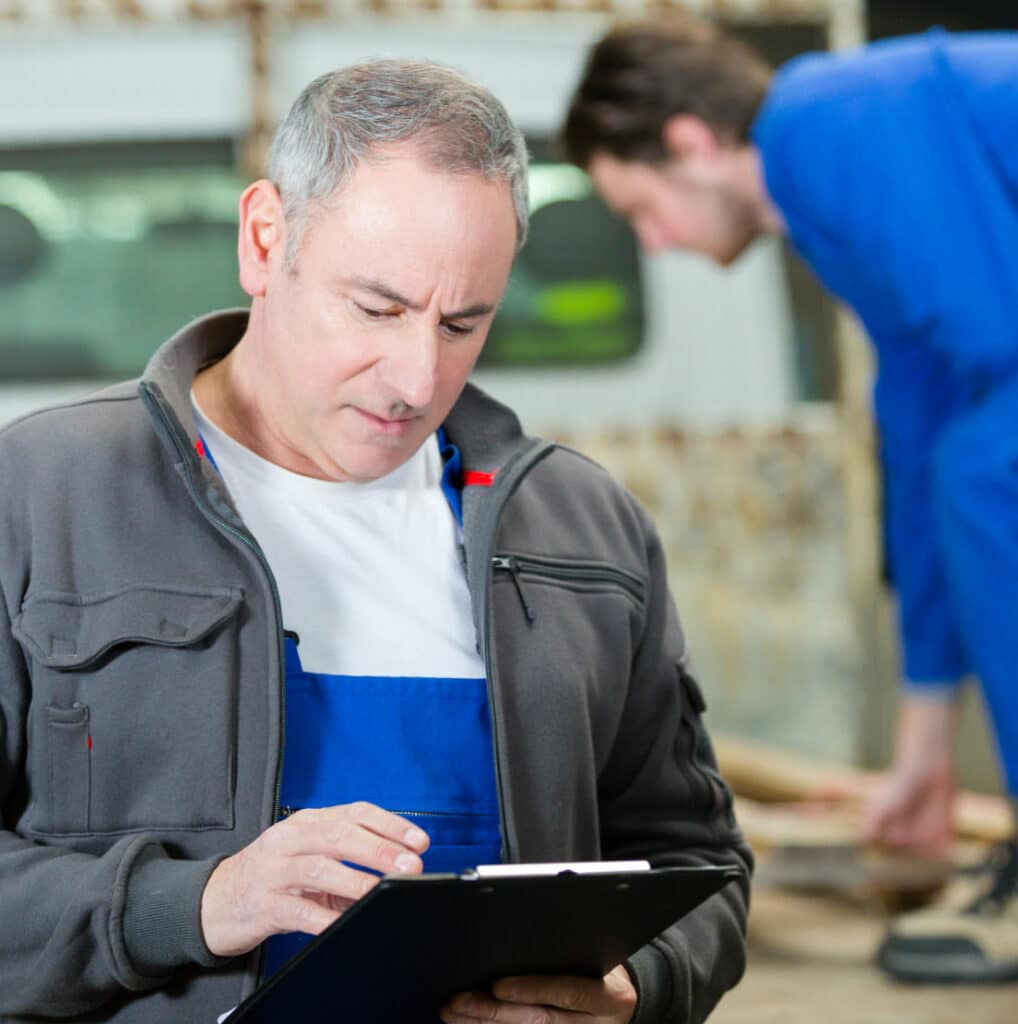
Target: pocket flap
68,630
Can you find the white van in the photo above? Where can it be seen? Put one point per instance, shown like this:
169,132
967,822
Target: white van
118,195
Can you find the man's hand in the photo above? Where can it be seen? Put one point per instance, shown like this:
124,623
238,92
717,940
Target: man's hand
548,1000
913,809
290,878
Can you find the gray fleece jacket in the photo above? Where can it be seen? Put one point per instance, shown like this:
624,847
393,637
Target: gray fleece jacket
141,698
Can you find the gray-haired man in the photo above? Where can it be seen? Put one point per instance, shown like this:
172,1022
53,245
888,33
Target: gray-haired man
306,506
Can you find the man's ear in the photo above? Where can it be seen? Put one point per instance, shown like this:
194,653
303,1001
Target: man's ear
685,135
262,236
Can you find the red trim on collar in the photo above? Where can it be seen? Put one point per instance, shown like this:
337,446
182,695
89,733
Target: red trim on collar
475,478
199,447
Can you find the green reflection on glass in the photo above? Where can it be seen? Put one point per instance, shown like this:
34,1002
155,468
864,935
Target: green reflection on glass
582,302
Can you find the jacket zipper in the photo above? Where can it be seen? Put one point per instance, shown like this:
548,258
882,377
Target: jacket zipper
546,568
433,814
286,810
511,566
185,455
218,521
505,485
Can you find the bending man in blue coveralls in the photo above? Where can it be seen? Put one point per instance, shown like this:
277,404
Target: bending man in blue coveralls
894,172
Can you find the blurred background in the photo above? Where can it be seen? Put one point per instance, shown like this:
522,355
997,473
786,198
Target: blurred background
734,403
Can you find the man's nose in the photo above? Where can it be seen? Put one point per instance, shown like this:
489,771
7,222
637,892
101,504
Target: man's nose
411,369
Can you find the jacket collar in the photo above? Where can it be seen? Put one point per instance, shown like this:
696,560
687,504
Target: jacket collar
170,372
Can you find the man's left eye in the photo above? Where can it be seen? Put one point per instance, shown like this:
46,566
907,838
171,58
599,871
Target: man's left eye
458,330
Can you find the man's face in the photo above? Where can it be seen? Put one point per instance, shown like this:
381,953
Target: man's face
367,342
686,203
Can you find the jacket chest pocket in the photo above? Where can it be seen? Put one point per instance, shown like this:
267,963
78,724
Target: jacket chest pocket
568,628
134,705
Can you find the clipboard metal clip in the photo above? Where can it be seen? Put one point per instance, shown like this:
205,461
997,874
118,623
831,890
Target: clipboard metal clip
580,867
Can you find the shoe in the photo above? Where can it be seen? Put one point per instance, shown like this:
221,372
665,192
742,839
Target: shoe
972,943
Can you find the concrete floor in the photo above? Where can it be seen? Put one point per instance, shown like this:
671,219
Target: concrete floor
810,963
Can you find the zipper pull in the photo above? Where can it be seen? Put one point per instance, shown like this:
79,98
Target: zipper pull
512,567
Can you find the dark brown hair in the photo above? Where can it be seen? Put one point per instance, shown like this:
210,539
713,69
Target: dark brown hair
645,71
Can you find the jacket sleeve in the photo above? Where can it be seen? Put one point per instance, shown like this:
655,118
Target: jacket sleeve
76,929
663,800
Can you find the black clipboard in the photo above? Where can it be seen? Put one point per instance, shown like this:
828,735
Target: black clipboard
401,951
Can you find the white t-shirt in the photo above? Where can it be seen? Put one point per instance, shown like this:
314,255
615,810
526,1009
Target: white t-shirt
369,574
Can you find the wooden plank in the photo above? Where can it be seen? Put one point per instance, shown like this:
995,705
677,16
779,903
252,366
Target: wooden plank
771,774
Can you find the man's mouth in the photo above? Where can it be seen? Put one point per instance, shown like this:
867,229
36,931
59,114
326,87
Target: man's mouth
387,424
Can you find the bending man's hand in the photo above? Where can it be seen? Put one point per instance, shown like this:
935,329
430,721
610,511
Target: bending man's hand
290,878
913,809
548,1000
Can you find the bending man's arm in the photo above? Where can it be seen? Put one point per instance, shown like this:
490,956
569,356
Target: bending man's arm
916,399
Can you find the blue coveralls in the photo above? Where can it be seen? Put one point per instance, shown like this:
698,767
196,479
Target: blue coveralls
896,170
418,746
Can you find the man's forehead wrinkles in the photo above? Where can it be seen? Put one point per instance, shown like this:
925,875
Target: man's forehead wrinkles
383,290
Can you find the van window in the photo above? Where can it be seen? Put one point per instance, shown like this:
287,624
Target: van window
105,251
103,255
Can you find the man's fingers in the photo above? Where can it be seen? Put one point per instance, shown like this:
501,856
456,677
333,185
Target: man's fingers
320,873
470,1007
889,804
342,837
609,996
875,822
908,819
566,993
370,817
299,859
547,999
